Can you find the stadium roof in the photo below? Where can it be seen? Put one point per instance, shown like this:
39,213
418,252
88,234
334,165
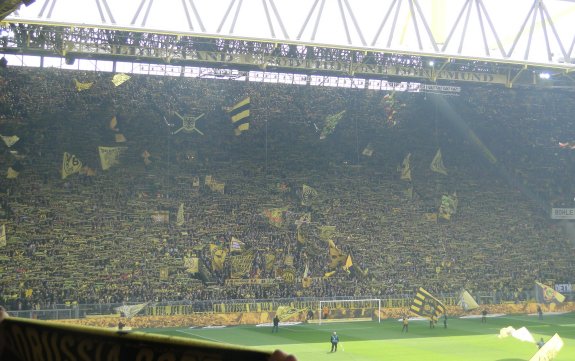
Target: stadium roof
530,31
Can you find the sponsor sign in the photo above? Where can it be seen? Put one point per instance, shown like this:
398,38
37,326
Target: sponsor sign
563,213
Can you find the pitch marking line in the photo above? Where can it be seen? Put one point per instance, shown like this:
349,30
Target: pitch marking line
200,336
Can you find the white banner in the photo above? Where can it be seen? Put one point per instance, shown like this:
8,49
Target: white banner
563,213
563,287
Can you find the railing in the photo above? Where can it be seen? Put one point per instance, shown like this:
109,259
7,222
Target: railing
73,311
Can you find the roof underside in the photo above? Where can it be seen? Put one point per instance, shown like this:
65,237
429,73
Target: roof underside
512,35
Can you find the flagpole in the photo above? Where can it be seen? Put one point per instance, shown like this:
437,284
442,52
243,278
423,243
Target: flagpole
266,164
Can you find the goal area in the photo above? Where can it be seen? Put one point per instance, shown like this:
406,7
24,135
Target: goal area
349,310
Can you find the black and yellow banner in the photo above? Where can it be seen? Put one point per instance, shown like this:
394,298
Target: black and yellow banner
426,305
241,265
30,340
240,115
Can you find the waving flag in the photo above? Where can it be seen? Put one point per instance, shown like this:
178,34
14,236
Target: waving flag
180,219
437,164
132,310
406,168
3,236
550,350
466,301
330,123
9,140
448,206
236,245
82,86
337,257
120,79
368,150
546,294
426,305
70,165
308,194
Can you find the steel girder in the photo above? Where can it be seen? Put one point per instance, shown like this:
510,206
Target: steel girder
523,37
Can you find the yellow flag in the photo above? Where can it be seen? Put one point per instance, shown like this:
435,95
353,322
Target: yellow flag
430,217
275,216
9,140
426,305
448,206
82,86
12,174
146,155
329,274
437,164
218,257
308,194
305,218
120,138
300,237
113,124
406,168
327,232
285,313
241,264
368,150
218,186
348,263
119,79
546,294
3,236
164,273
70,165
466,301
408,193
336,256
192,264
160,216
180,215
110,156
270,261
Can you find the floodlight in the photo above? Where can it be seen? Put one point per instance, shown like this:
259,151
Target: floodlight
544,75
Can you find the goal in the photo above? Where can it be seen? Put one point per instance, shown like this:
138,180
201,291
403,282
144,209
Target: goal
349,310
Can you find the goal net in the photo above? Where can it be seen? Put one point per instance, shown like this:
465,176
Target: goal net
349,310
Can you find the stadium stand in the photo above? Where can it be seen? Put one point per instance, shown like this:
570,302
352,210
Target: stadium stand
117,235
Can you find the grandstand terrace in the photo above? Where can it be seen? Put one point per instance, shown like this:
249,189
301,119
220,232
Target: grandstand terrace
96,238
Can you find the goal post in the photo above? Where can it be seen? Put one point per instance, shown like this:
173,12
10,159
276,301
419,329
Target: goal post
349,310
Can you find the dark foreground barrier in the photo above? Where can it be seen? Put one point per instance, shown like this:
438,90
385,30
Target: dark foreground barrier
29,340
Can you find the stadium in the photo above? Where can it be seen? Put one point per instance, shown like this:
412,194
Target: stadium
177,176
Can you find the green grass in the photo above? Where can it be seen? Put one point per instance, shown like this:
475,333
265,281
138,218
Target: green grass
464,339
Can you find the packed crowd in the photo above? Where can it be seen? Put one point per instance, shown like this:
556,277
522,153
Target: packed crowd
96,238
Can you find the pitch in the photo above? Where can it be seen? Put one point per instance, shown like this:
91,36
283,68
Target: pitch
463,339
